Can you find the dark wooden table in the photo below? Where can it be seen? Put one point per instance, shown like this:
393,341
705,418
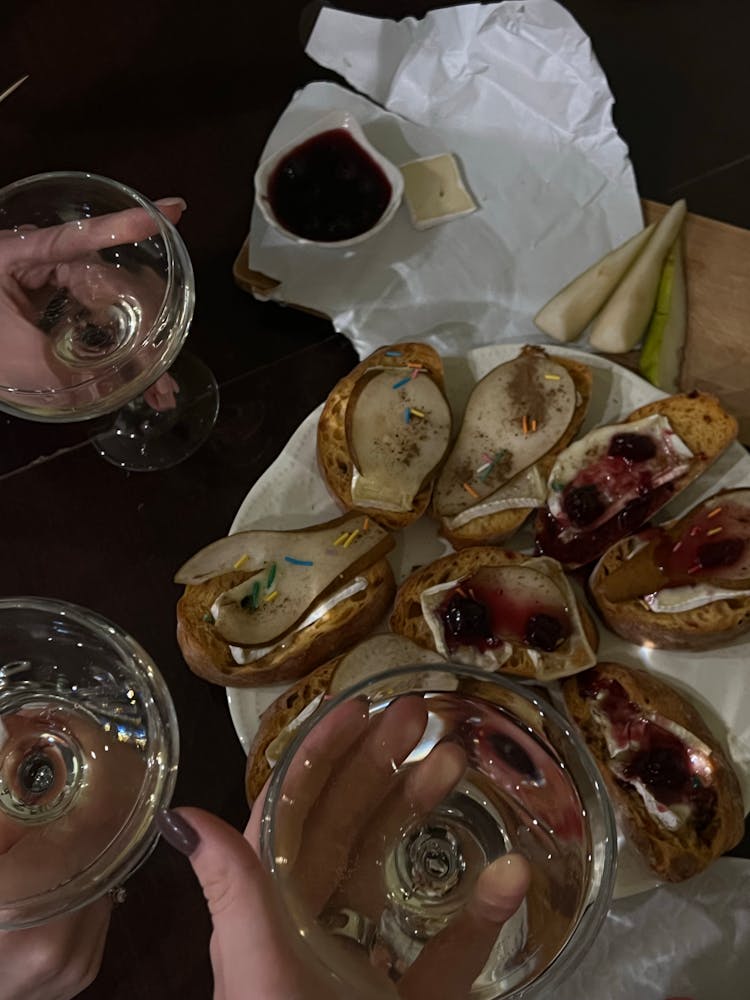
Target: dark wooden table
177,98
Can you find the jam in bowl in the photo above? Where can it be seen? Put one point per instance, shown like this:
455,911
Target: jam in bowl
329,187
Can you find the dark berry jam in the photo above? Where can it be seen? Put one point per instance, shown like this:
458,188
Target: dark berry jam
720,554
583,505
328,189
589,545
544,632
466,621
714,541
484,614
633,514
652,754
632,447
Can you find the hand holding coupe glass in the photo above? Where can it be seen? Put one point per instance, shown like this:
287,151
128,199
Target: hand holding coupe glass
88,755
96,299
254,941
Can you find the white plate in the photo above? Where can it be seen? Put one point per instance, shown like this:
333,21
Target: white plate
292,494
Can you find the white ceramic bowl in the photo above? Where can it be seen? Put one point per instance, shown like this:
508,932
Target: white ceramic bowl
333,120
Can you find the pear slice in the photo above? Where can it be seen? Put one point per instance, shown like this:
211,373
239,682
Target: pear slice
367,659
515,415
625,317
566,315
386,652
398,429
664,343
289,572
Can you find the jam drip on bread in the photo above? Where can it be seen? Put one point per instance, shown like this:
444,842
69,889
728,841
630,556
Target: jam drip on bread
711,545
608,485
644,749
483,614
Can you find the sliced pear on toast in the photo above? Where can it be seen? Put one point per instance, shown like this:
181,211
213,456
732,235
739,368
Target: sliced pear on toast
398,429
289,571
515,416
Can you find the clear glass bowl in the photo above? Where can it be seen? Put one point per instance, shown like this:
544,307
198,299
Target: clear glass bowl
529,786
88,755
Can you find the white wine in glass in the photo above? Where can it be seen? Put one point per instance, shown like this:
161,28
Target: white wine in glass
96,300
88,755
372,864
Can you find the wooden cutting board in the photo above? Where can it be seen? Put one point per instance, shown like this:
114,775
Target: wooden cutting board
717,355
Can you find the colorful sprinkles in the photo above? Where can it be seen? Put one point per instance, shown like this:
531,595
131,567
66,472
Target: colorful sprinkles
271,576
342,538
714,512
407,415
551,378
417,413
350,539
272,596
393,354
241,561
298,562
715,531
401,382
489,463
471,491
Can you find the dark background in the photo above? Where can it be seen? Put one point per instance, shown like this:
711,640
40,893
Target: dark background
178,100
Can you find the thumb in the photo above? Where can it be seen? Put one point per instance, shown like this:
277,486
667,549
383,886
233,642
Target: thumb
251,942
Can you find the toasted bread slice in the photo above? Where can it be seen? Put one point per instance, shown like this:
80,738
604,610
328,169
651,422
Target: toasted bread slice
703,627
492,529
715,823
702,424
376,654
408,620
209,656
334,457
277,717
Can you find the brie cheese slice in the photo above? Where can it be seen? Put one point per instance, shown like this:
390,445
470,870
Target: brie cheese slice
243,655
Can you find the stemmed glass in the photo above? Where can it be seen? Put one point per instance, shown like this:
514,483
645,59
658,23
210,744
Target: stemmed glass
88,755
373,860
96,300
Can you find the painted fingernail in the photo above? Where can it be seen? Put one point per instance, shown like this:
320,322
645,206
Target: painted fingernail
169,202
177,831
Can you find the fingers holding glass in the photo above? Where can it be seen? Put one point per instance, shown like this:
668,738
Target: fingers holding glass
449,962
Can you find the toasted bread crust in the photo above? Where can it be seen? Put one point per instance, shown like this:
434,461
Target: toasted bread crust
673,855
703,425
496,528
700,628
275,719
208,655
334,458
407,618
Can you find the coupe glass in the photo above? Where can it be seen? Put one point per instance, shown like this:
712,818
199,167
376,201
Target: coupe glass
88,755
92,318
530,786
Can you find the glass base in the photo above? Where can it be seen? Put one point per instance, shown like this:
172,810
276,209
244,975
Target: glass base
142,439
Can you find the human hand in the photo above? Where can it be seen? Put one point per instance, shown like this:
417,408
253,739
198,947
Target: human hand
42,268
57,959
253,940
